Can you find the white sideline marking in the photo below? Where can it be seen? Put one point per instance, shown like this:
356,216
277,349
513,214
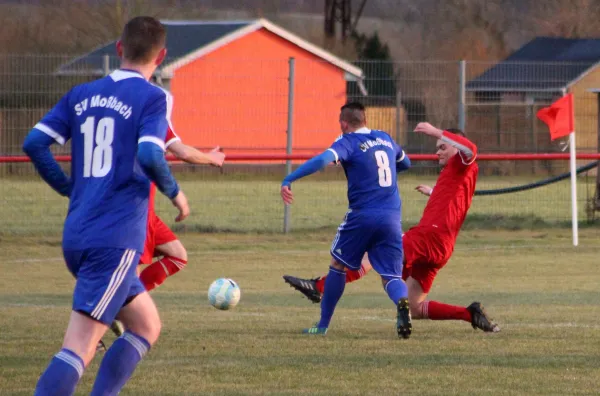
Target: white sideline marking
313,251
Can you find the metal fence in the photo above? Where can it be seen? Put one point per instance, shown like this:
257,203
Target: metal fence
278,106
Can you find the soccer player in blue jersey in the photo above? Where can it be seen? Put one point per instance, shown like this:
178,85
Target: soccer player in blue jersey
371,160
117,128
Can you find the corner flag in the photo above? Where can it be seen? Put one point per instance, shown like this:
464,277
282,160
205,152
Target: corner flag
560,119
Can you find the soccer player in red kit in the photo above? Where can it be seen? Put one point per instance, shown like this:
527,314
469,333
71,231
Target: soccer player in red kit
429,245
160,240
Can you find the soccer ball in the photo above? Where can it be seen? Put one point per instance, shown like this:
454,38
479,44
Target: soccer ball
224,293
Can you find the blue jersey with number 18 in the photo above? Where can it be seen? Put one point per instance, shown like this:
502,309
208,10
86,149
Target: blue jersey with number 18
105,120
369,160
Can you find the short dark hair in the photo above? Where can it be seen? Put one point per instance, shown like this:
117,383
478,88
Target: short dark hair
353,113
142,37
456,131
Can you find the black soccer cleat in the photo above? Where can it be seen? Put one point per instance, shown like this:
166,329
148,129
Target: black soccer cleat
403,320
308,287
480,320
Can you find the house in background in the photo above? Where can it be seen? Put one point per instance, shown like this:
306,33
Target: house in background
230,85
504,99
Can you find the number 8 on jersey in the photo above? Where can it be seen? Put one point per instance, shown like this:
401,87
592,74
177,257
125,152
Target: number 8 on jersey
385,173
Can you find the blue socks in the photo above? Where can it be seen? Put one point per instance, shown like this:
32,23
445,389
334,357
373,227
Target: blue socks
119,363
395,289
66,368
335,284
61,375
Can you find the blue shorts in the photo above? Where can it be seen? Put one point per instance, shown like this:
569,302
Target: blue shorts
378,233
106,280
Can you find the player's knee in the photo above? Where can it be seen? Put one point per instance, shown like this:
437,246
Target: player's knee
173,249
180,251
149,329
141,317
154,330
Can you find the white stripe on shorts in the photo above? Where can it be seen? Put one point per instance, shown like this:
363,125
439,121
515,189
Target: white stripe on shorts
115,282
340,228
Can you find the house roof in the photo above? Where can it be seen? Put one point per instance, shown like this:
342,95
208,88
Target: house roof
543,64
190,40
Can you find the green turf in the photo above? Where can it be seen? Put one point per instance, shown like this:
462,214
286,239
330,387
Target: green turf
227,204
542,291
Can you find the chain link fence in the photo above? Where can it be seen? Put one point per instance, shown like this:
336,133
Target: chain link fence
274,107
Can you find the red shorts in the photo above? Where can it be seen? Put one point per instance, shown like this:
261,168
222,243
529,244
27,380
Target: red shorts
425,254
158,233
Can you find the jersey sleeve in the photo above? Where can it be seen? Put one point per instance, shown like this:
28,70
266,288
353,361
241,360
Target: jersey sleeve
467,150
154,120
400,154
342,149
172,136
56,123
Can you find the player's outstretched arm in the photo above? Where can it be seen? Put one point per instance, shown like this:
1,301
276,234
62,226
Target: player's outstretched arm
192,155
37,147
467,148
308,168
153,162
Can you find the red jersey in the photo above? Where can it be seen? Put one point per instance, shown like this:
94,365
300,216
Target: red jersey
170,138
451,197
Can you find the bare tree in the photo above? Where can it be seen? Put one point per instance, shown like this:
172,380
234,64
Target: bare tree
577,20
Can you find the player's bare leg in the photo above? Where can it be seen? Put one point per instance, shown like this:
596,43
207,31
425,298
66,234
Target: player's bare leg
82,336
141,319
416,298
78,349
174,260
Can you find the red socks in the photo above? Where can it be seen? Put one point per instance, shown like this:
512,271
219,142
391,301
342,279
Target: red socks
156,273
351,276
431,309
437,311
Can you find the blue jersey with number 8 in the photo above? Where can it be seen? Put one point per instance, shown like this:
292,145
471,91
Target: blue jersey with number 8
105,120
369,160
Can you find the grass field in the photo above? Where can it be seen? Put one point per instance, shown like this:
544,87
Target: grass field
229,205
542,291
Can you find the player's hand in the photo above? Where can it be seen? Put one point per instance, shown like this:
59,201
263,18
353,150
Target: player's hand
181,203
217,157
287,195
428,129
423,189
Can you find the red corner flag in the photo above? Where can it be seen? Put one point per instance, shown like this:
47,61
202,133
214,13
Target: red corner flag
558,117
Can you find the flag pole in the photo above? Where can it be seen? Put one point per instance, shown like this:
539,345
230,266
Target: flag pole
573,156
573,166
